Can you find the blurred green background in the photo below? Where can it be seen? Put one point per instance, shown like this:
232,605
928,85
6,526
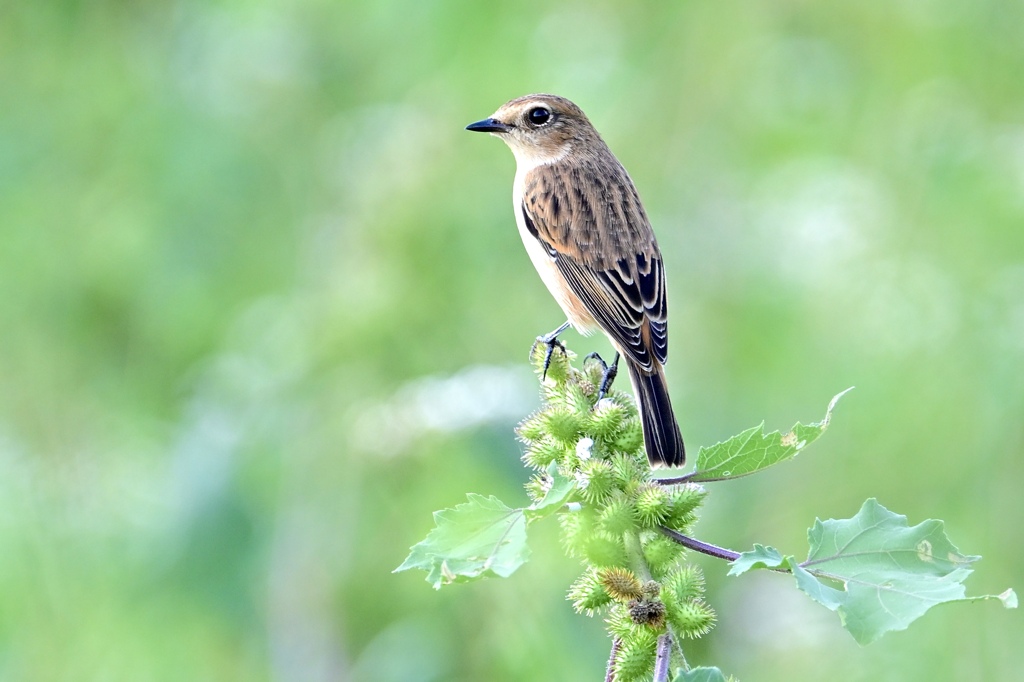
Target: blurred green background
265,308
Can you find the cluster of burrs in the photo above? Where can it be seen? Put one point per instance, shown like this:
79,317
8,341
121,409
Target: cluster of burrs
634,573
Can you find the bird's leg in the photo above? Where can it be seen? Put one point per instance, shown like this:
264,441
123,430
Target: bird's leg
610,372
551,341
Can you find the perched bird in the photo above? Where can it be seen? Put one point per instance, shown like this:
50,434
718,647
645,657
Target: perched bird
587,234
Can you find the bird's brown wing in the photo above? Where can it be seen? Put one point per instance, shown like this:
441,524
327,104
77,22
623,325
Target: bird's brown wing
603,246
627,301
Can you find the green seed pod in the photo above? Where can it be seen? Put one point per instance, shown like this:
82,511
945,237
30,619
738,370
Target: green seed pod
531,429
628,470
619,622
562,425
593,371
685,584
559,370
537,487
576,400
543,452
625,400
577,530
618,516
661,554
588,594
682,523
636,656
693,618
596,479
602,549
630,438
686,498
606,420
652,504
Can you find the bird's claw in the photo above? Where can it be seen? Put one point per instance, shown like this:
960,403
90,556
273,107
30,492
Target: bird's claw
609,372
551,342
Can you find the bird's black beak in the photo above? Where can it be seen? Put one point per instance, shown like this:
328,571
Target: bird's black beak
489,125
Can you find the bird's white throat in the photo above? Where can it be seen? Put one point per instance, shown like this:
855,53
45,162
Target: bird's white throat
532,156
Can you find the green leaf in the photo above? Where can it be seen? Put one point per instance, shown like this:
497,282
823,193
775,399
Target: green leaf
759,557
699,675
753,450
559,494
827,596
477,539
890,573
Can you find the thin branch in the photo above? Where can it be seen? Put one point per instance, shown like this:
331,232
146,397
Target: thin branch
662,658
697,477
616,645
698,546
677,480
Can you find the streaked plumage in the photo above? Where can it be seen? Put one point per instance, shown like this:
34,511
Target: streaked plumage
582,223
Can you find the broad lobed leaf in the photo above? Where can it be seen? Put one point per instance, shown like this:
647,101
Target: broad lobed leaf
753,450
879,542
479,538
483,537
890,573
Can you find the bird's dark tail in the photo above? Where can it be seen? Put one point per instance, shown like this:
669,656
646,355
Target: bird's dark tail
662,439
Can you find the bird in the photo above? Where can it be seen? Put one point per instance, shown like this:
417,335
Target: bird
587,234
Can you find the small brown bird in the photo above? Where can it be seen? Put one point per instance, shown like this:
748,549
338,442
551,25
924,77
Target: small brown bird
587,234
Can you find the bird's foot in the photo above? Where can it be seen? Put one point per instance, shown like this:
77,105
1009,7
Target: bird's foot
609,372
551,341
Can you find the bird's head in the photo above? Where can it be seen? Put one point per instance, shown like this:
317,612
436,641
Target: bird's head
540,129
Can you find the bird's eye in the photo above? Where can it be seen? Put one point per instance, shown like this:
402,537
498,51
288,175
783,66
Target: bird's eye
539,116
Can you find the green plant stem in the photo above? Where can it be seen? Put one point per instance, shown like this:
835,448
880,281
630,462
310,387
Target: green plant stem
637,561
636,555
678,642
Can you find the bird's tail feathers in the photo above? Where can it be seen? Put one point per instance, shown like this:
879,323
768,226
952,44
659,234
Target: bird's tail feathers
662,439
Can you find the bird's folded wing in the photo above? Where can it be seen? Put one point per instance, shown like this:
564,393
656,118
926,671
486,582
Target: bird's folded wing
621,297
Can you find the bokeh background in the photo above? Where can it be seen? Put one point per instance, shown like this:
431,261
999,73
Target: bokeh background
265,308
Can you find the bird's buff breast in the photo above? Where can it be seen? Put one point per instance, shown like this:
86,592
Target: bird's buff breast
571,305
